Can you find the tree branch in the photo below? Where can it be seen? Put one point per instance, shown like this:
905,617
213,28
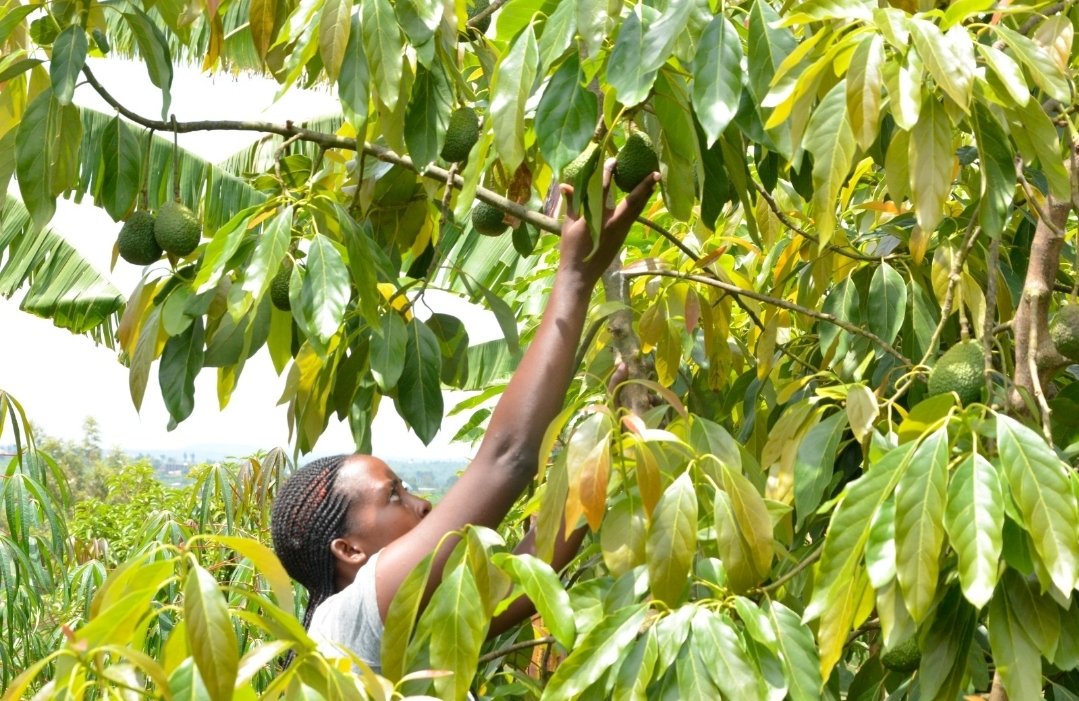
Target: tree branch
777,302
522,645
634,396
290,130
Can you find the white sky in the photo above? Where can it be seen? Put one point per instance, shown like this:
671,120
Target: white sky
60,378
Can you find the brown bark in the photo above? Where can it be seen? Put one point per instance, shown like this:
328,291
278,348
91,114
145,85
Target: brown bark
624,342
997,693
1035,356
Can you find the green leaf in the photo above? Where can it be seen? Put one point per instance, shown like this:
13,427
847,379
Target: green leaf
13,17
401,617
263,558
419,391
1043,69
729,663
680,149
754,521
797,652
210,636
354,80
932,159
558,34
1017,659
388,351
919,523
691,667
864,80
418,19
326,290
428,114
458,636
1040,141
385,49
717,77
592,20
944,665
813,464
627,73
154,51
181,361
887,302
13,68
1007,72
68,58
221,248
512,86
261,17
269,253
122,171
335,25
185,683
46,154
769,45
830,139
1038,481
543,588
565,116
600,649
949,58
664,32
975,522
842,303
997,169
672,540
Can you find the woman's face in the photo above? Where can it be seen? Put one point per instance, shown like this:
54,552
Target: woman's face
381,510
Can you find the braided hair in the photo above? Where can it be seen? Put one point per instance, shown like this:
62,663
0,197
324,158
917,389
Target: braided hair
308,513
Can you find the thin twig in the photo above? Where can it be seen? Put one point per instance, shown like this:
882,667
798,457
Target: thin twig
536,219
954,276
665,233
789,223
1039,394
782,303
795,571
522,645
485,13
1042,214
990,304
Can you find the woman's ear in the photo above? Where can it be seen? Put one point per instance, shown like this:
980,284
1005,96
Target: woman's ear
348,552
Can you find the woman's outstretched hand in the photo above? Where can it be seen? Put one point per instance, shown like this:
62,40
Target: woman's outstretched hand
577,241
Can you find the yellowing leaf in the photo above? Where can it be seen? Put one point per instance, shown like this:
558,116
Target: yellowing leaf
931,164
862,411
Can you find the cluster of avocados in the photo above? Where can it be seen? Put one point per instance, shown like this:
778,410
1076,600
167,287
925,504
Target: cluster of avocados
144,237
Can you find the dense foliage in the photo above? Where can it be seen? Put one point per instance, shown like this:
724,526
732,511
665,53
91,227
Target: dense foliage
849,190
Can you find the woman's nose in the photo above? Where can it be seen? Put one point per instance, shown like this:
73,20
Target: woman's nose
423,506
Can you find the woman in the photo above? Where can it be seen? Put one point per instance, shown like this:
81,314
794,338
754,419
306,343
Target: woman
348,530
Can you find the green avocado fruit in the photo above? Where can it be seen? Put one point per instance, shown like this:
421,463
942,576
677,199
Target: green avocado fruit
587,159
488,220
959,370
635,161
1064,330
136,241
279,287
177,229
904,657
461,135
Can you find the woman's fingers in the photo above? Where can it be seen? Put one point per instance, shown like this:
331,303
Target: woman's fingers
631,207
571,210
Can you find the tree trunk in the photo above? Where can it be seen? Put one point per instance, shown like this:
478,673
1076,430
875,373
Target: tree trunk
627,347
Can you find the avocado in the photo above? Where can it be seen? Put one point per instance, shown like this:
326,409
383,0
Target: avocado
136,241
635,161
904,657
177,229
279,286
488,219
1064,330
959,370
586,160
461,135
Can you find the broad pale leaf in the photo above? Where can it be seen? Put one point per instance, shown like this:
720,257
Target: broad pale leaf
512,87
223,244
354,79
862,410
717,79
263,558
1041,142
210,636
932,160
269,253
1044,70
428,114
975,520
831,141
797,652
1017,659
672,540
401,617
887,302
1038,481
326,290
558,34
729,663
864,81
122,169
459,634
588,468
627,72
385,49
335,25
769,45
1007,71
543,588
154,52
565,116
419,391
813,465
680,150
949,58
261,15
841,303
754,521
68,58
599,650
919,523
997,166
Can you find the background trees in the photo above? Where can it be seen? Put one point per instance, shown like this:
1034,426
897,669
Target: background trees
849,190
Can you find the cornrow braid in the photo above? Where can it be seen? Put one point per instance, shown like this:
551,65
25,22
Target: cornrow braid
307,515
